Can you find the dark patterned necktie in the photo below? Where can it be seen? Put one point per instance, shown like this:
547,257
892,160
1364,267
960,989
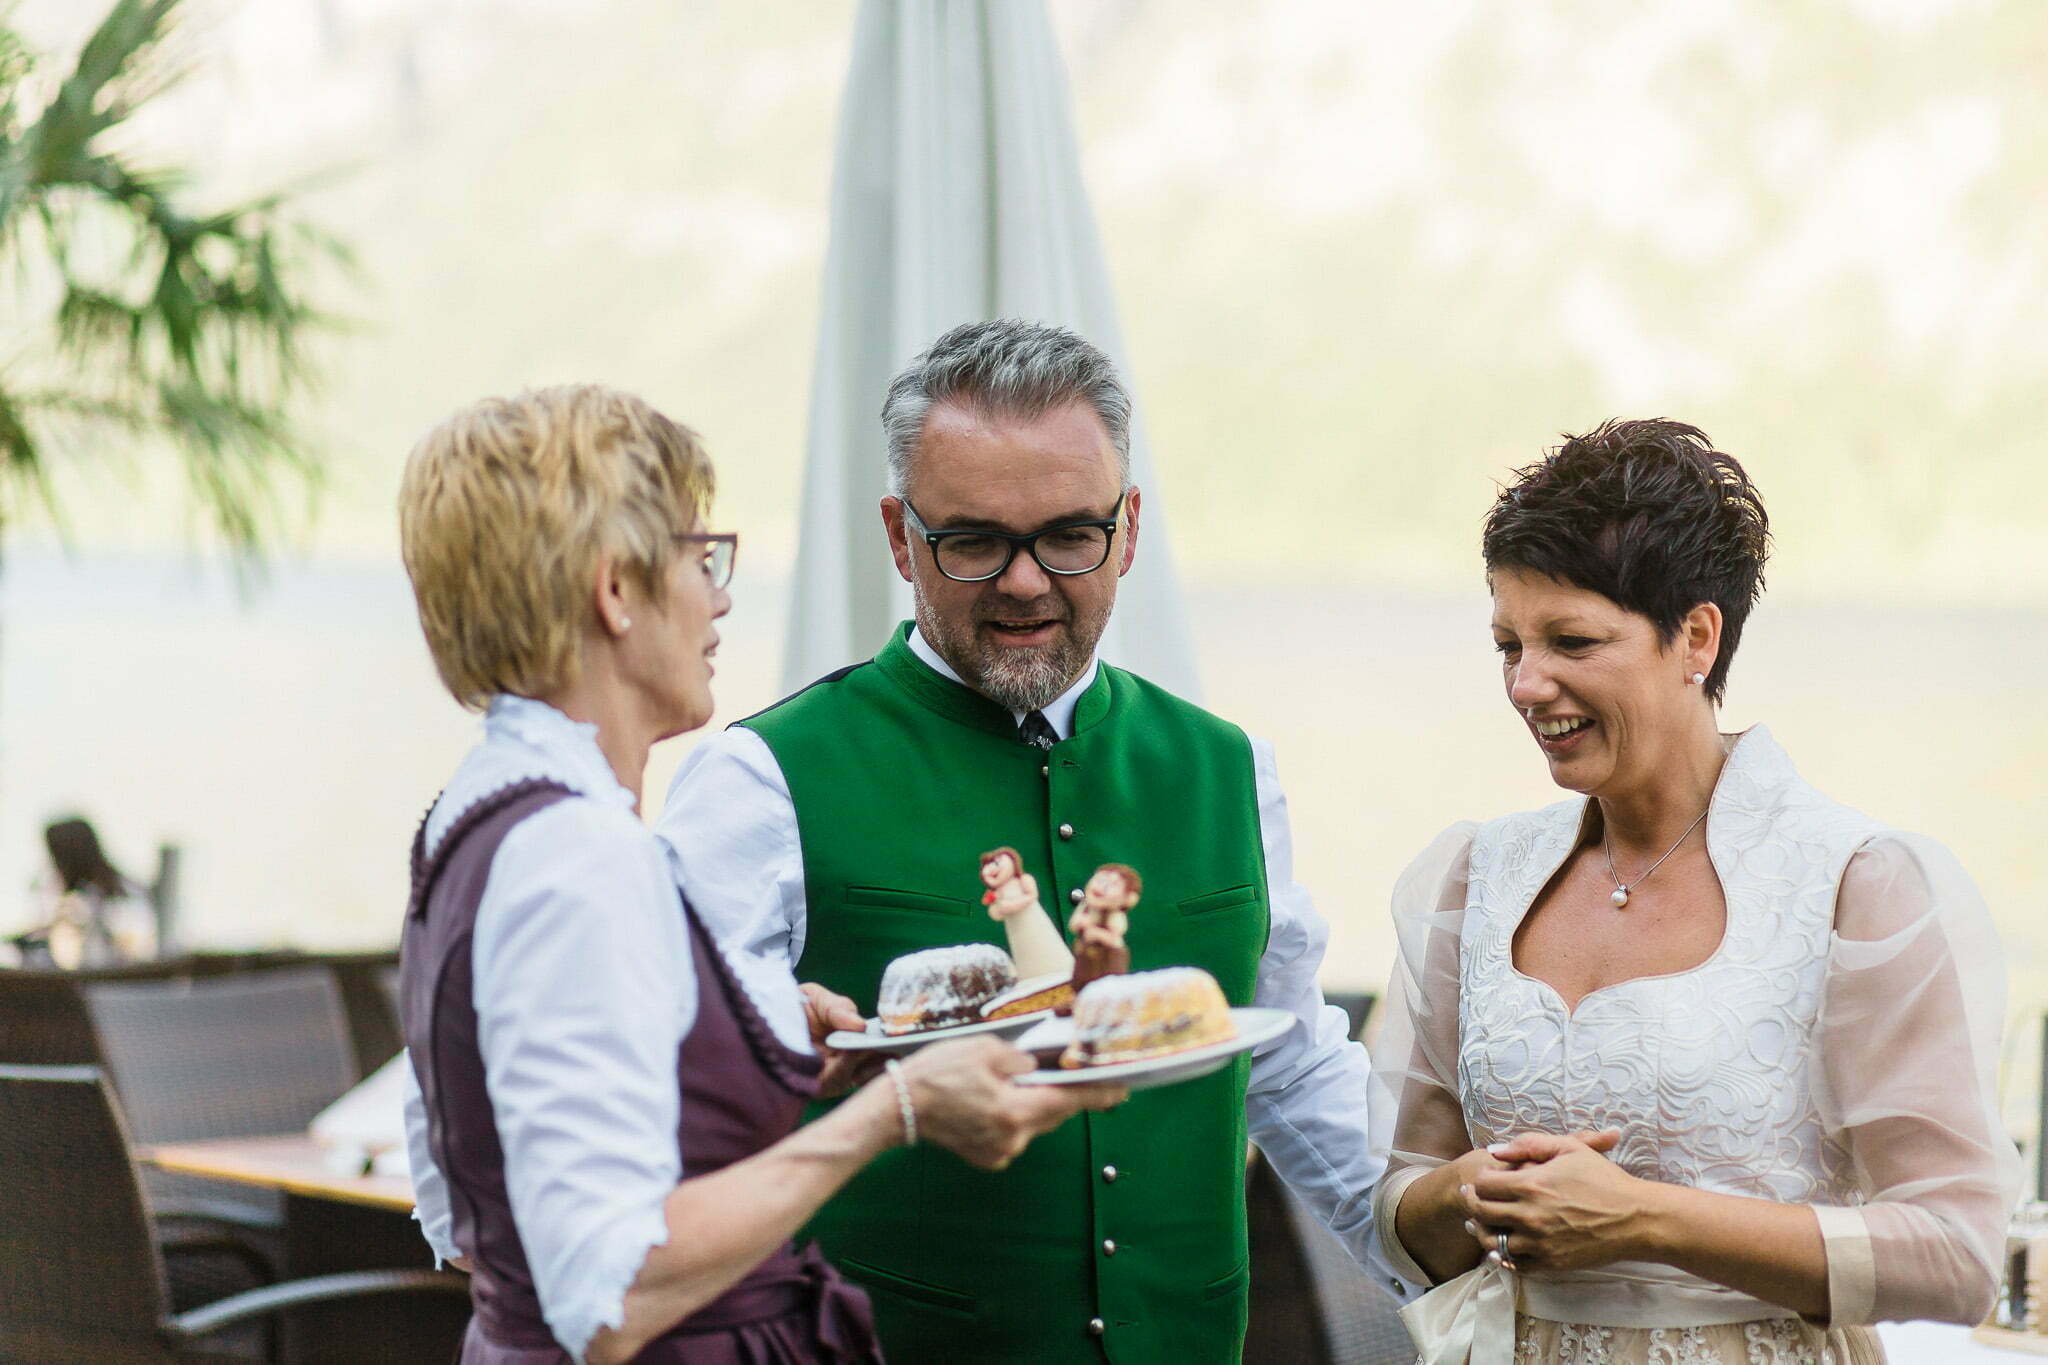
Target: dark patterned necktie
1035,729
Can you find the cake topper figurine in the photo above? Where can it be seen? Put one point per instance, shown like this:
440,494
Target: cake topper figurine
1012,900
1100,922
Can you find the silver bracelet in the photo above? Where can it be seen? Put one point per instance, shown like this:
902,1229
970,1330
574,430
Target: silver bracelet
903,1105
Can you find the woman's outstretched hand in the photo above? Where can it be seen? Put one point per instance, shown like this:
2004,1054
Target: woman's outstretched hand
1562,1203
967,1103
827,1012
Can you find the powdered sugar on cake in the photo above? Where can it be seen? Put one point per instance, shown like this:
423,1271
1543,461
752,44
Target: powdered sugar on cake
939,987
1137,1015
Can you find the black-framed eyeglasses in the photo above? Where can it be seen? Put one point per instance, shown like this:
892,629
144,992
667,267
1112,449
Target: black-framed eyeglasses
1069,549
721,548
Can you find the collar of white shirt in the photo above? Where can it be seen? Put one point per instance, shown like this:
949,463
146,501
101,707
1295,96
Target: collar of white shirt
1058,713
568,748
526,739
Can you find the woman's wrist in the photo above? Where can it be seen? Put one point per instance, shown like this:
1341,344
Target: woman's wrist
906,1105
1433,1198
1653,1230
872,1118
1429,1222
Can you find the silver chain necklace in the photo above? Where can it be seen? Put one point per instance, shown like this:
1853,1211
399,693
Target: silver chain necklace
1621,889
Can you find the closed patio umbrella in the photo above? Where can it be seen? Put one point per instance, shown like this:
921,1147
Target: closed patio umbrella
956,196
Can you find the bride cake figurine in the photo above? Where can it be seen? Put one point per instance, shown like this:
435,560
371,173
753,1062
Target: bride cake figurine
1100,922
1012,899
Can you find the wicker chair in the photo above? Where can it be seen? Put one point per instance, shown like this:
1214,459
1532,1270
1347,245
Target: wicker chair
1357,1007
43,1020
237,1055
387,981
78,1254
369,1002
1311,1304
231,1056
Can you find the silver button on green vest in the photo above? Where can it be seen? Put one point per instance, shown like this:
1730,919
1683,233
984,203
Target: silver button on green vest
1109,1246
1109,1175
1045,770
1066,831
1075,895
1096,1327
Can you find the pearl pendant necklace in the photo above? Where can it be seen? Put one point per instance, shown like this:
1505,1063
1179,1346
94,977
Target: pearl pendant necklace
1621,888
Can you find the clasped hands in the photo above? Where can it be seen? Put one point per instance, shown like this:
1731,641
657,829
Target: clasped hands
1561,1202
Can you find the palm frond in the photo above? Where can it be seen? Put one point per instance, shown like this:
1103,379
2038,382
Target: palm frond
20,459
193,334
111,79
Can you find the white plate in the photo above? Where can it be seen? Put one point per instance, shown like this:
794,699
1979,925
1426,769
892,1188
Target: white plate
1254,1026
874,1040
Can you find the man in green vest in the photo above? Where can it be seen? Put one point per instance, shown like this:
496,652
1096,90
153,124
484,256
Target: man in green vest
840,828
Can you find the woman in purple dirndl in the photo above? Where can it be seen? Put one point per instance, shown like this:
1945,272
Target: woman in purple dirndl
603,1120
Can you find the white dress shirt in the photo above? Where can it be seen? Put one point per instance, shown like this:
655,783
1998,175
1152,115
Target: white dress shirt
584,988
732,827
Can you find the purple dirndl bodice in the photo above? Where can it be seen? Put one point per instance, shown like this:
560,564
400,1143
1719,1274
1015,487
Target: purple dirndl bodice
741,1089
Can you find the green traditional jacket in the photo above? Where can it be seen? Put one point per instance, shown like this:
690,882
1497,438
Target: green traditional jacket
1118,1236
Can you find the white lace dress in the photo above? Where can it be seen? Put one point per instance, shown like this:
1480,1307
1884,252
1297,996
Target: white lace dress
1838,1050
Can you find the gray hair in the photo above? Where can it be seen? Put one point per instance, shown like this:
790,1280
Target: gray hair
1009,366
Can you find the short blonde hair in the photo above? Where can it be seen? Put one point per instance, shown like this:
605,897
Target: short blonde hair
503,513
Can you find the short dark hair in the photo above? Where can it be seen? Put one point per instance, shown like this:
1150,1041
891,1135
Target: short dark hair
1647,514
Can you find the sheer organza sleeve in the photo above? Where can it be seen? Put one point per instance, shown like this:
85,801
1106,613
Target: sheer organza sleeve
1909,1039
1416,1119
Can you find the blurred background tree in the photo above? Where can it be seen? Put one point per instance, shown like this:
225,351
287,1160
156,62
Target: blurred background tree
138,324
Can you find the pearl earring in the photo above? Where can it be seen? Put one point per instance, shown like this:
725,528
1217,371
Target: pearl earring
1698,678
626,623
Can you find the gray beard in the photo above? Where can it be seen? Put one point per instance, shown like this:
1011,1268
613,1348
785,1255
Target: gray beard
1018,680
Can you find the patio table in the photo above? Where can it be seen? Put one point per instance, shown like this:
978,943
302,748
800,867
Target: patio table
294,1163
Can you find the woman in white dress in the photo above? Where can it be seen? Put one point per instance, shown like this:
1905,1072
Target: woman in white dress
1788,1012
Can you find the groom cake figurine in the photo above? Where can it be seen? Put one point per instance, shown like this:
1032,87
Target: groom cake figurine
1101,923
826,830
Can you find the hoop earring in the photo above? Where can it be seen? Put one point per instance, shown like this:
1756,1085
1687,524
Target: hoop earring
1698,678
